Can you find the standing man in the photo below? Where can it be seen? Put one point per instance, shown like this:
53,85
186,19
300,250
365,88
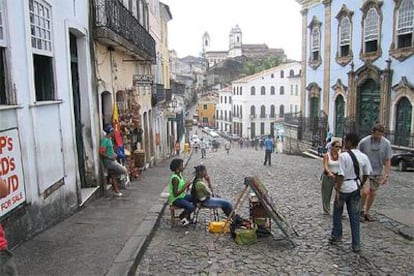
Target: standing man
203,148
268,150
352,165
177,148
378,149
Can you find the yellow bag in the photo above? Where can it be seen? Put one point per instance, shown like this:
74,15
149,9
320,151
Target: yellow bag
217,227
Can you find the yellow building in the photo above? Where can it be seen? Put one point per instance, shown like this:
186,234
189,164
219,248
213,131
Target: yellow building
207,110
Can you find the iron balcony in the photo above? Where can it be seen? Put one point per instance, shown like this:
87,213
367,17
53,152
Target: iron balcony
114,25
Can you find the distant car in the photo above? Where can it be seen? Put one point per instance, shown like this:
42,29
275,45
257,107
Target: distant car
403,160
234,137
214,134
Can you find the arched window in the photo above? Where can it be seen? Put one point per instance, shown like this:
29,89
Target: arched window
282,74
272,90
234,110
234,90
252,111
272,76
237,89
221,114
282,90
281,111
238,112
316,44
221,99
262,111
262,90
225,115
241,112
371,31
272,111
405,24
291,73
241,90
225,99
229,99
344,37
252,90
296,90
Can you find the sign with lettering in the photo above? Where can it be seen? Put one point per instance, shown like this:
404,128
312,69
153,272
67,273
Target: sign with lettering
142,80
11,171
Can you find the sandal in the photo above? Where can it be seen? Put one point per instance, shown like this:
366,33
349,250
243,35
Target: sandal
368,217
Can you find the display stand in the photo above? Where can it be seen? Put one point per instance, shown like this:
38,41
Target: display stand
258,214
267,205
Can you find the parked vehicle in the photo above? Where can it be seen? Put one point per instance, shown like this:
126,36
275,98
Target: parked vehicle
403,160
214,134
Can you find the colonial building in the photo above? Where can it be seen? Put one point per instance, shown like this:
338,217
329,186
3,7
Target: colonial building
261,100
224,109
358,65
160,15
125,53
49,137
207,110
236,49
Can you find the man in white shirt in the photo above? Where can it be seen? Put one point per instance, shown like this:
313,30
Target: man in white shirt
203,147
351,177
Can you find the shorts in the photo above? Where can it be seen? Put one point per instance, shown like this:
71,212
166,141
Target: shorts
115,167
374,182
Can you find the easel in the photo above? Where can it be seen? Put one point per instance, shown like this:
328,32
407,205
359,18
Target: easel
261,192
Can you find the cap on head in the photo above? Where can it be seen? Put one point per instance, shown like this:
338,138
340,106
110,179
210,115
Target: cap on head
109,129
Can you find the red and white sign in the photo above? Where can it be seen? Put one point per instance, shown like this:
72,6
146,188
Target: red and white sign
11,171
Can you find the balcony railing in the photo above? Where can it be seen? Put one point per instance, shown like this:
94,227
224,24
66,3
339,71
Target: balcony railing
115,22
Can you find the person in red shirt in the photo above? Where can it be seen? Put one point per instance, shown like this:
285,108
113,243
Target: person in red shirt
7,265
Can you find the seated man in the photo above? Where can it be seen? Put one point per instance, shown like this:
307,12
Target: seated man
106,150
203,194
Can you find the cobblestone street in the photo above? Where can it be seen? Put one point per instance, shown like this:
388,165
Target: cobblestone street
293,182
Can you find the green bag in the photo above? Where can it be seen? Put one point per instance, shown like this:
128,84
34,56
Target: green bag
245,236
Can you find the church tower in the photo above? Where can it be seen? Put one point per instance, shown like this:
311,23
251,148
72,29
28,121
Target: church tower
235,42
206,42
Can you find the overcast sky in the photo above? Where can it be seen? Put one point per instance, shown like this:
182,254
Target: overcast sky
274,22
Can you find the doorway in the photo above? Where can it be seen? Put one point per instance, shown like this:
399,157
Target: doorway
368,106
403,122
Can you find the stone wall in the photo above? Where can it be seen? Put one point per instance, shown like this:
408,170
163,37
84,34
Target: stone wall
291,144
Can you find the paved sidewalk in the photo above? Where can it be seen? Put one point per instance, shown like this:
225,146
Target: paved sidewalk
107,237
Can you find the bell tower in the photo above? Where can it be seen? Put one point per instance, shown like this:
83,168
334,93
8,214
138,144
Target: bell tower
235,42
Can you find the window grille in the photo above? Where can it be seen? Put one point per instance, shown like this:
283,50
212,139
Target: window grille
41,25
371,25
405,17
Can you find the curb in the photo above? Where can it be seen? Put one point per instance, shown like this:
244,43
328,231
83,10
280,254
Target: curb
127,260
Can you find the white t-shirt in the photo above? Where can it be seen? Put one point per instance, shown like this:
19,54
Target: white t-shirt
346,169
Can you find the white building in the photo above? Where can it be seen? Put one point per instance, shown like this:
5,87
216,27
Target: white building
262,99
48,131
223,110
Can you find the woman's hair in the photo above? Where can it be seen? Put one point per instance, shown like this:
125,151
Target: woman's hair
175,164
197,174
334,143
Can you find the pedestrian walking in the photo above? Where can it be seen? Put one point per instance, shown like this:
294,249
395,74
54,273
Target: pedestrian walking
203,148
177,191
177,147
379,151
353,166
227,147
268,144
328,178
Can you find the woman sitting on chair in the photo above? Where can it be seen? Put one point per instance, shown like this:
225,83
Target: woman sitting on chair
177,188
203,194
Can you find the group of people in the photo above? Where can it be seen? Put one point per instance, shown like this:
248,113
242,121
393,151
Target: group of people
201,191
355,174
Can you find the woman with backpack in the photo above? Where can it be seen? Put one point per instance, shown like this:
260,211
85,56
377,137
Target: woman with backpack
203,194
